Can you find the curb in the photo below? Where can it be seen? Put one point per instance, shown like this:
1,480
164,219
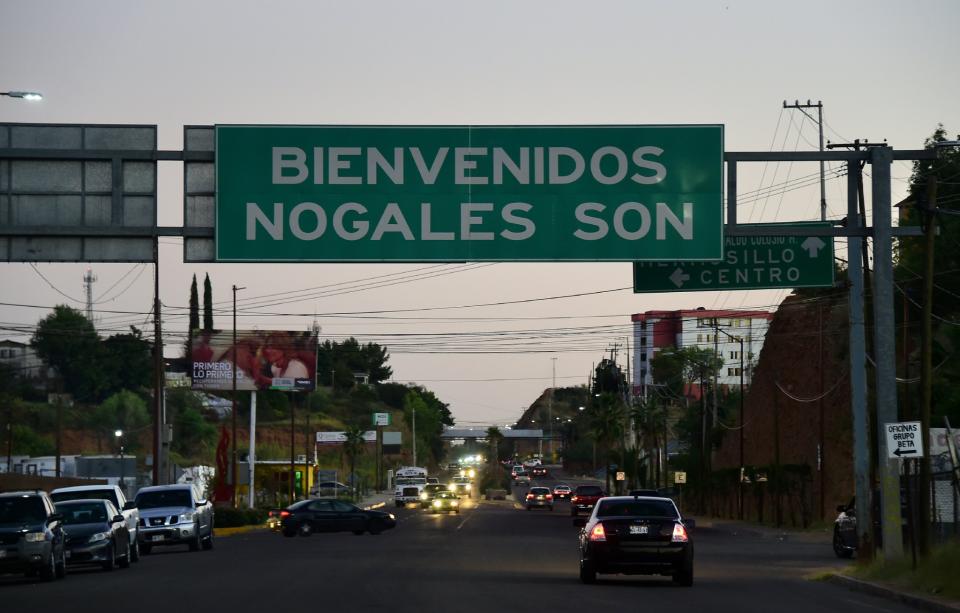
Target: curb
920,602
376,505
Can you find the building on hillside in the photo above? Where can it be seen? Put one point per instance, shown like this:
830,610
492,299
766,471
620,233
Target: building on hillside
717,330
23,360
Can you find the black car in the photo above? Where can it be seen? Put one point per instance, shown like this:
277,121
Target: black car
31,536
309,516
430,492
97,533
636,536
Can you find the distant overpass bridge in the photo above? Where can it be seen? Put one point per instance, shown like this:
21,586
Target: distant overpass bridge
480,432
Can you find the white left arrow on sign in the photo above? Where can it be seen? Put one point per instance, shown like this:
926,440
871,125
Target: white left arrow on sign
678,277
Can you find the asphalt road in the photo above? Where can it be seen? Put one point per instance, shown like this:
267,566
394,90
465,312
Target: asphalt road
494,556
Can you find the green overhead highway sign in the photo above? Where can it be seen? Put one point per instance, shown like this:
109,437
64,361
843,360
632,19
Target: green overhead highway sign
468,193
749,262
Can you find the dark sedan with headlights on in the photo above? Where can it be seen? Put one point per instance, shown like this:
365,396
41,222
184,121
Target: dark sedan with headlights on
636,535
327,515
96,533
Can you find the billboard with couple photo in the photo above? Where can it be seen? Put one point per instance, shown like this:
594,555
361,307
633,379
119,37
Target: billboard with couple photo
265,359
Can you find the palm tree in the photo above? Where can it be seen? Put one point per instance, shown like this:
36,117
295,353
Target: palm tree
494,436
353,447
607,426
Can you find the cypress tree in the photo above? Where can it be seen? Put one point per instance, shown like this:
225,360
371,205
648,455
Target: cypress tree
207,304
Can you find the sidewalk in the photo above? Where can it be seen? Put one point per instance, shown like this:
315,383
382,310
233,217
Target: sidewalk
735,527
376,501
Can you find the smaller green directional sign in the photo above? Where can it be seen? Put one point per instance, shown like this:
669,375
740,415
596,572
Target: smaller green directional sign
749,262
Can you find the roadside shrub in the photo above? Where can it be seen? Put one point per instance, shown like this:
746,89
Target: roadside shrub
229,517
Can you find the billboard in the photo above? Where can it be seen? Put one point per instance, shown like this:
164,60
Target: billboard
266,360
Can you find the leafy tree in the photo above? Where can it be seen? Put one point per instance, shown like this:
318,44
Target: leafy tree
609,377
125,411
207,304
337,362
353,447
607,417
127,360
193,436
68,342
494,436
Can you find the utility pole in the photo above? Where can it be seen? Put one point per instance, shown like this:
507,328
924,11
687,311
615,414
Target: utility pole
802,108
158,377
926,363
821,448
233,440
550,406
413,411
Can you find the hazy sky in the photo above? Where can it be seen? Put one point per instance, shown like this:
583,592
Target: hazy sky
884,70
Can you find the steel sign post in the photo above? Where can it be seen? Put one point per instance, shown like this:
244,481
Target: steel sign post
468,193
749,262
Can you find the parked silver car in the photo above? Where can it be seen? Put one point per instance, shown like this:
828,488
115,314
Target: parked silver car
113,494
174,515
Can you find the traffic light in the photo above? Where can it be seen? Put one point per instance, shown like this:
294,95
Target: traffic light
298,482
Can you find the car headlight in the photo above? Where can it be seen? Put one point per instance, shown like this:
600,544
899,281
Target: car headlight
437,503
468,487
423,496
391,516
187,517
35,537
455,502
99,536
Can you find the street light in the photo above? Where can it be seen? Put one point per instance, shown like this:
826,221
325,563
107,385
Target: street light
32,96
233,411
118,434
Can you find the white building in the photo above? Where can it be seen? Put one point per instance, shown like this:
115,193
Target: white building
23,359
715,330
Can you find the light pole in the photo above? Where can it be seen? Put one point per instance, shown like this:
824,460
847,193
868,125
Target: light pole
739,339
118,434
233,439
31,96
550,407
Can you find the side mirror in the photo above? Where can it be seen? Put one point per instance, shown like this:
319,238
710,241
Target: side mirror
129,506
200,503
689,522
579,522
117,519
55,517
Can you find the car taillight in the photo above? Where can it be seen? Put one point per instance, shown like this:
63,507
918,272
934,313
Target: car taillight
284,513
529,496
598,534
549,496
574,499
679,534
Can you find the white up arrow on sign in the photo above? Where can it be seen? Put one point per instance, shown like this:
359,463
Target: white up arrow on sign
813,245
678,277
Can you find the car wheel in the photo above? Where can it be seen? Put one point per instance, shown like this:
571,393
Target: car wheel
358,532
208,542
305,529
839,548
588,572
124,562
49,570
111,560
529,508
194,543
375,527
62,565
146,549
135,550
684,577
550,508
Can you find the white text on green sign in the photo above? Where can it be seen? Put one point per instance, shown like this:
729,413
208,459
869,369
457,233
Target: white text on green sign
462,193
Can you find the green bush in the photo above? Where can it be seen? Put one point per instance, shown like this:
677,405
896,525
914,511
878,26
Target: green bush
229,517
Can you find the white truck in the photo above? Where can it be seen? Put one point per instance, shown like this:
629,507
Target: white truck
409,483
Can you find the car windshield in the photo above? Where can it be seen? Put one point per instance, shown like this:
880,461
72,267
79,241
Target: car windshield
433,487
163,498
637,508
539,490
445,495
82,512
21,509
589,490
86,495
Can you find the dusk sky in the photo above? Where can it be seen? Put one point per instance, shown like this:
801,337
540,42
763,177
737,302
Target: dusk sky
884,71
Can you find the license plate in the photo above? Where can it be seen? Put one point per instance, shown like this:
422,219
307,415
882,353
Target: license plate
539,497
156,537
639,530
